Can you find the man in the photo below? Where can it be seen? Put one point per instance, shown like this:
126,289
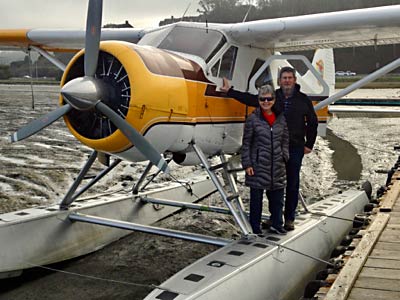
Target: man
302,124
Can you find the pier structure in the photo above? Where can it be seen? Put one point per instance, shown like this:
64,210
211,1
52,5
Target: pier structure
372,269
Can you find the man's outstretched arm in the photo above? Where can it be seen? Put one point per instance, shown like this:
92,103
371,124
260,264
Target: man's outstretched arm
242,97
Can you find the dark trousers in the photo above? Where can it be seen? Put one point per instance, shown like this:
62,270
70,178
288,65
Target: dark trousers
275,200
293,166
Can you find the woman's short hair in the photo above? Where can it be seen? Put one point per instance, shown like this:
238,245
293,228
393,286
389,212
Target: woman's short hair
266,89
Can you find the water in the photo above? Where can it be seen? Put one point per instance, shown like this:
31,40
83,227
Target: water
345,158
40,169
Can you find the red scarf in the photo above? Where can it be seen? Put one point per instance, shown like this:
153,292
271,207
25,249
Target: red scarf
269,118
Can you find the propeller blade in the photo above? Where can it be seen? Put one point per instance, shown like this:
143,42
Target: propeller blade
92,39
135,138
38,124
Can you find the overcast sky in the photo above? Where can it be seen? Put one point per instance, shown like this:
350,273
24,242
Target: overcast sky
72,13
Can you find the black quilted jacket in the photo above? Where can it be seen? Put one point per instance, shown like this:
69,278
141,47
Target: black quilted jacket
266,149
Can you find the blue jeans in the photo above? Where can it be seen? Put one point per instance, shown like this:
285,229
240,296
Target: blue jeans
275,200
293,166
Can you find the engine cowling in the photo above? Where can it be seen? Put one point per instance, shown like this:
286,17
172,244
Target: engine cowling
144,85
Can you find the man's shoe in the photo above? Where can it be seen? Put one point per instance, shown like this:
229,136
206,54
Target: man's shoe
289,225
266,224
280,231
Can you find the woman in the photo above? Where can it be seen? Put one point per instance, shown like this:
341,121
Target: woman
265,150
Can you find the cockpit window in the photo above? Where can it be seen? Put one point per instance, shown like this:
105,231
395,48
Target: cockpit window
224,67
197,41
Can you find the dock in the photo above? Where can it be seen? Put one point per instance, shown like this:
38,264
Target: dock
372,269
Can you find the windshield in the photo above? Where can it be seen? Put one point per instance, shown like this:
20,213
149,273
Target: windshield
197,41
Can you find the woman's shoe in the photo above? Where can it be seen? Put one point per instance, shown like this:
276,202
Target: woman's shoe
266,224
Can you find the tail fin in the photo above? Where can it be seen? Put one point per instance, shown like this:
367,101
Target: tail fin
323,62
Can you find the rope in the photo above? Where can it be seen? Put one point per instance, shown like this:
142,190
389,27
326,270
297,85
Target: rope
333,217
188,189
152,286
325,215
301,253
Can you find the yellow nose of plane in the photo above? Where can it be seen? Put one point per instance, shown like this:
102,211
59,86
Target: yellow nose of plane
143,85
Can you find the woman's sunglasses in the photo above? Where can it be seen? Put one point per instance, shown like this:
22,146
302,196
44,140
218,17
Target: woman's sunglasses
262,99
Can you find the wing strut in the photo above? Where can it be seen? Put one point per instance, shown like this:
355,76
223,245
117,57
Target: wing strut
367,79
54,60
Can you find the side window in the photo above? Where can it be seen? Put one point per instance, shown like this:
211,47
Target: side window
264,78
215,68
225,66
228,63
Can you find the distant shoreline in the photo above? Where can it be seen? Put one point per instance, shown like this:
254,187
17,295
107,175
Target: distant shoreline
371,85
386,82
27,81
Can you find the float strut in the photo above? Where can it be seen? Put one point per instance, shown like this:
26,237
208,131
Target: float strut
68,198
149,229
241,221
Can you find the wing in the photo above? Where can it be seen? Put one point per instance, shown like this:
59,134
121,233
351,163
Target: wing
63,39
359,27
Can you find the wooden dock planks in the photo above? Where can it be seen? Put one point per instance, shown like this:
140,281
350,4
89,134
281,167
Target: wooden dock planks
365,282
364,294
343,284
391,196
379,262
373,270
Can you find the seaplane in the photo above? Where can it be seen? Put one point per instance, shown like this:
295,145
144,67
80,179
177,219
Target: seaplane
153,95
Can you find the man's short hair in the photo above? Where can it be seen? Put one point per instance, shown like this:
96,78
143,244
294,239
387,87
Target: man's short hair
287,69
266,89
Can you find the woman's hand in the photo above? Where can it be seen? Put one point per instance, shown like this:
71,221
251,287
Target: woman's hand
250,171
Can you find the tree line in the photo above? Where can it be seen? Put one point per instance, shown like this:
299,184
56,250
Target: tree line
35,69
